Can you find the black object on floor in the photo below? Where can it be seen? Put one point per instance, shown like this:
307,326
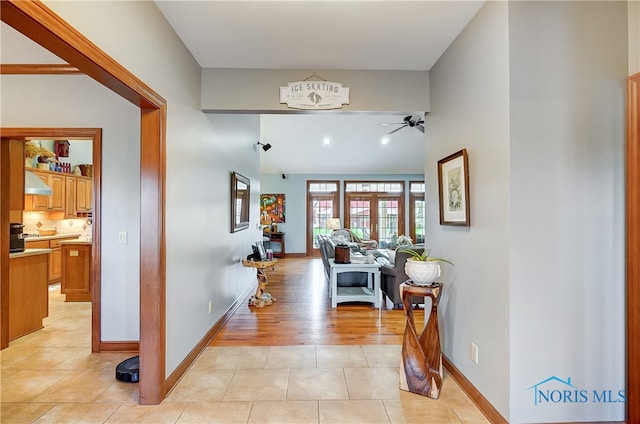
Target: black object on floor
129,370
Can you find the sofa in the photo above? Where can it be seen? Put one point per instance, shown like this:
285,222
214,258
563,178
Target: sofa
346,279
392,275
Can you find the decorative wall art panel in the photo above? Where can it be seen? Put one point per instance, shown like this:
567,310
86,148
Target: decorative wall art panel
272,208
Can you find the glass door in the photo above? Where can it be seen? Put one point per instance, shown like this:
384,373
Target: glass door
322,204
376,217
360,215
388,219
417,212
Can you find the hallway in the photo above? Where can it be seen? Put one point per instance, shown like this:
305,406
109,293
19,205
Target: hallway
344,377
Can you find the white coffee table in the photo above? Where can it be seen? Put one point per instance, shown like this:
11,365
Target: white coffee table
371,293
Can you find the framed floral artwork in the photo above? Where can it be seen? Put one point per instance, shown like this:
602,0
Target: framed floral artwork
453,187
272,208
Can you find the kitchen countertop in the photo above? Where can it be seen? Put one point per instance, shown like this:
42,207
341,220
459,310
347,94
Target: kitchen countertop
29,252
76,242
57,236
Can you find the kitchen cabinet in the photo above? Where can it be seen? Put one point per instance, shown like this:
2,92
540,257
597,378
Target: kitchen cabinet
16,176
76,271
55,202
28,293
84,195
55,257
70,197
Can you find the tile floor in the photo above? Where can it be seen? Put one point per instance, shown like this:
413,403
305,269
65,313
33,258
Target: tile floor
50,376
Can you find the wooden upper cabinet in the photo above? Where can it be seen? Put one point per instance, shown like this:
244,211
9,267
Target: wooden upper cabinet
70,197
57,200
83,195
38,203
16,170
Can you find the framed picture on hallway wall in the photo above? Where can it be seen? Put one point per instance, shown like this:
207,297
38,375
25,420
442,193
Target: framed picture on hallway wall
453,188
272,208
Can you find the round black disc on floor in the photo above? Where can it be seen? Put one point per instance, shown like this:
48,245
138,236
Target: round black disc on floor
129,370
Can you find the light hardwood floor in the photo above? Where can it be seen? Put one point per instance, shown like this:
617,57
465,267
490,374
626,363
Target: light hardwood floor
296,361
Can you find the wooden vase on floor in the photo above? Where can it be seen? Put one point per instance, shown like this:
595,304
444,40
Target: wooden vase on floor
421,362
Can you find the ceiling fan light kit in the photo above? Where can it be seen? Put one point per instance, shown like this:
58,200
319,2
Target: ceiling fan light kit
412,121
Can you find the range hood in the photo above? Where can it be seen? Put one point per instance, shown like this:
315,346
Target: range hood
34,185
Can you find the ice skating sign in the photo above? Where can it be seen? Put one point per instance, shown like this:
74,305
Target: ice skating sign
314,95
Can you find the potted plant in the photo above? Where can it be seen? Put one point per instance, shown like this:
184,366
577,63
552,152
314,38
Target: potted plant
422,268
404,241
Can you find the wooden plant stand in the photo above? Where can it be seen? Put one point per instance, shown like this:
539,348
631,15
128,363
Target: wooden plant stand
421,367
261,298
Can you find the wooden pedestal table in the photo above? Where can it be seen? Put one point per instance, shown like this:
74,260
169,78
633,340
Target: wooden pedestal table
421,367
261,298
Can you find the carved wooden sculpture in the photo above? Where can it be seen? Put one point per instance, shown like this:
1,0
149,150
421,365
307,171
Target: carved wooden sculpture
261,298
421,366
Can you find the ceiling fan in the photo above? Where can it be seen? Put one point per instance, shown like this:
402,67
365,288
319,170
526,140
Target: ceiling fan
413,121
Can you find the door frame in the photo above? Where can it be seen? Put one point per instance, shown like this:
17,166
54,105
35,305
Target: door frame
95,135
39,23
633,248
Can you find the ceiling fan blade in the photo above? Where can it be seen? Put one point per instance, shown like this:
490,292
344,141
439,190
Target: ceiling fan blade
392,123
397,129
420,127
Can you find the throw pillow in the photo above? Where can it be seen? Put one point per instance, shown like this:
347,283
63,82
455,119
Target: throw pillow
392,255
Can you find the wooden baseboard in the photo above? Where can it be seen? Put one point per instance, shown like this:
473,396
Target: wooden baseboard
204,342
120,347
476,397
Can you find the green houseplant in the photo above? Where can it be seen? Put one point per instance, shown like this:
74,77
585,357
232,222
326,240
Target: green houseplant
424,256
422,268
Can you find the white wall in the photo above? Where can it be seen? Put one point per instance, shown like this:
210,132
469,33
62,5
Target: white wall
568,64
634,37
258,89
201,153
539,87
74,102
80,151
470,109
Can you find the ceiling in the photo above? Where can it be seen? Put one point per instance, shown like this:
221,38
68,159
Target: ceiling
383,35
316,35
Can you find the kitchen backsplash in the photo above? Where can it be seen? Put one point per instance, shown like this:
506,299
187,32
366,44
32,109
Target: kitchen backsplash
34,220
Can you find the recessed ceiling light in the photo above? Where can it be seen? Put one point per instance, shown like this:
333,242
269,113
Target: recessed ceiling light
385,140
326,141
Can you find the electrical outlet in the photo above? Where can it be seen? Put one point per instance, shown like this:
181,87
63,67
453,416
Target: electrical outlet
210,306
122,237
474,353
